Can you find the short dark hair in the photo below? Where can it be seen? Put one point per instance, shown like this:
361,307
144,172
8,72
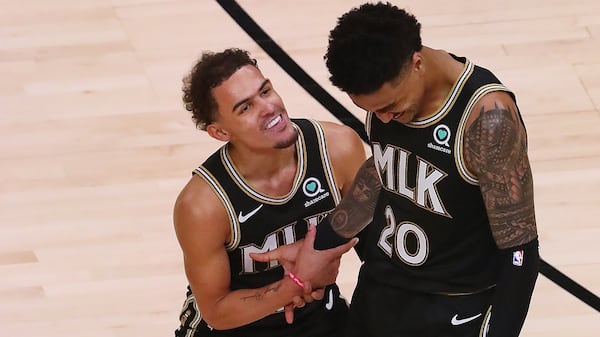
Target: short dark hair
209,72
370,45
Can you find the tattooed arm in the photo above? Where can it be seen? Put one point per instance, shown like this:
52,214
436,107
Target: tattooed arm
355,210
496,152
333,233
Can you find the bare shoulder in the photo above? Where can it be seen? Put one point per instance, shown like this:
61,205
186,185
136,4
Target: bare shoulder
494,131
342,138
498,102
198,210
346,151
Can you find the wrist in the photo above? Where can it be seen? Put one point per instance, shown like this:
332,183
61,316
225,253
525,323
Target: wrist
297,281
326,237
292,287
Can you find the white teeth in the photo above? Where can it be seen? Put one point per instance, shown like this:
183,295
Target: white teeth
274,122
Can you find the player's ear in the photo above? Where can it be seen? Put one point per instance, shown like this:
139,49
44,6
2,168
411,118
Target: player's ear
417,61
217,132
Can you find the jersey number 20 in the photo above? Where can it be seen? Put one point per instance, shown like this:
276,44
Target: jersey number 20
394,237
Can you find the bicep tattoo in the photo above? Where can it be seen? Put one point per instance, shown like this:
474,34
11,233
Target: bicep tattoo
496,150
355,211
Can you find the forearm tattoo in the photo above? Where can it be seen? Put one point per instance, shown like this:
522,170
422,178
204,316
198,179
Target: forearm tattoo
496,150
260,294
355,211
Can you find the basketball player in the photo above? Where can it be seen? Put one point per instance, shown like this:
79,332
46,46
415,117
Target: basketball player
452,249
272,179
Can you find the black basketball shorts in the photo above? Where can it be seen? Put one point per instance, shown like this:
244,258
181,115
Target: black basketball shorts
378,310
325,318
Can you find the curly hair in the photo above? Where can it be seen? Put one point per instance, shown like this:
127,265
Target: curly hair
370,45
209,72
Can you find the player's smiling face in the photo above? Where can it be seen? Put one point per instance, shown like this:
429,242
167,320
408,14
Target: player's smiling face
250,112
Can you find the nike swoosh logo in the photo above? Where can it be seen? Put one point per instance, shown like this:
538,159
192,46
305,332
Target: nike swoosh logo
244,217
329,303
456,321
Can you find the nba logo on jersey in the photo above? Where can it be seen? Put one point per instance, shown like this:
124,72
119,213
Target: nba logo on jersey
518,258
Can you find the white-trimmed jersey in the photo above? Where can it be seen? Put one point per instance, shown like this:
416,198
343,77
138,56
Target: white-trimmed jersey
260,223
430,231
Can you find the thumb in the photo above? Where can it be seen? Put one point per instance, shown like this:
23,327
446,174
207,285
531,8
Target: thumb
309,239
342,249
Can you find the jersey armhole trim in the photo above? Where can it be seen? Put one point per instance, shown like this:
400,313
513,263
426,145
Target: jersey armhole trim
234,226
328,170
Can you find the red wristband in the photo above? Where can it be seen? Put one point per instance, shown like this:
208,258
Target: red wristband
296,280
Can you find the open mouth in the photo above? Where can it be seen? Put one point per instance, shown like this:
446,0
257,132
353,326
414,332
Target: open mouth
274,122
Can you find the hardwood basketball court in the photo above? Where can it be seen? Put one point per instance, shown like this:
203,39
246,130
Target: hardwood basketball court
95,144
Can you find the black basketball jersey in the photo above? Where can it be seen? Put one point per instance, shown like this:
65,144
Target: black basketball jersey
260,223
430,231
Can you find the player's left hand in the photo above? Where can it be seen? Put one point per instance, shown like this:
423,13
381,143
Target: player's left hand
300,301
286,255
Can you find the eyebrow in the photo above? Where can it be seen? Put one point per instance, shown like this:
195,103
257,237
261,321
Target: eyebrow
264,83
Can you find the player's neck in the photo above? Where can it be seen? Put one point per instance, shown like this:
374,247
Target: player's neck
271,172
442,73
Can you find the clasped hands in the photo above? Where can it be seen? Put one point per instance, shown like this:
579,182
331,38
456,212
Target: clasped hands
316,268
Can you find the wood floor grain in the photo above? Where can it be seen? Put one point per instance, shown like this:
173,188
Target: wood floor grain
95,144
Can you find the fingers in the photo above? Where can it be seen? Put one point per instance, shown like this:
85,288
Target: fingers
266,256
289,313
309,239
318,294
298,302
